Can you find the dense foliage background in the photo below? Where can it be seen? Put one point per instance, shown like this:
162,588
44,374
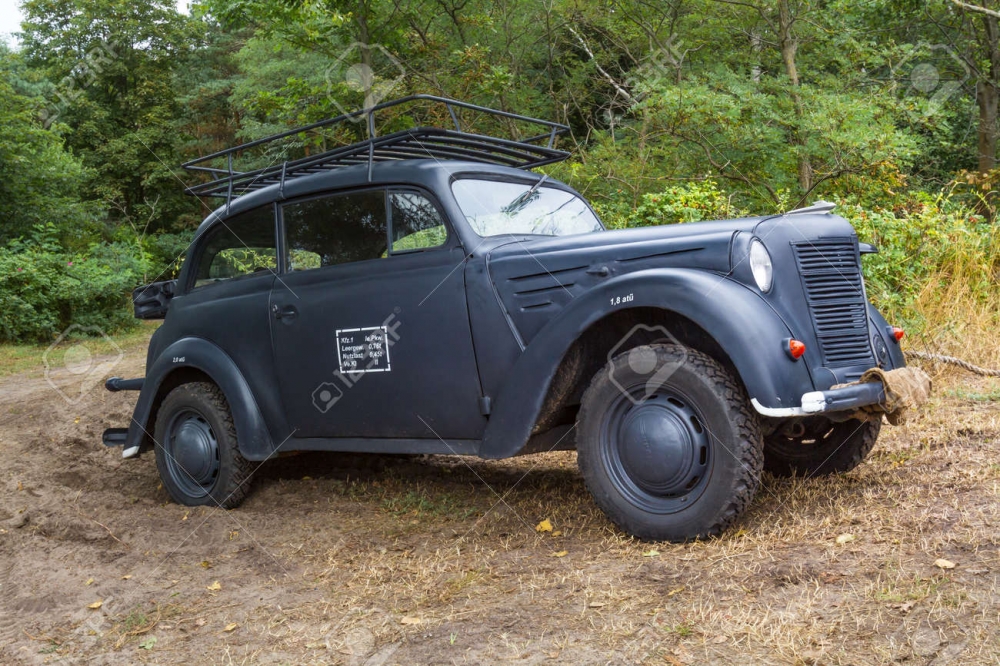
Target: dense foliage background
680,110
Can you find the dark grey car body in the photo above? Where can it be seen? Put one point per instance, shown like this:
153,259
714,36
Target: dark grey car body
496,336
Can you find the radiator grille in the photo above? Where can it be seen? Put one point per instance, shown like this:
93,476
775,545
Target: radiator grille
831,274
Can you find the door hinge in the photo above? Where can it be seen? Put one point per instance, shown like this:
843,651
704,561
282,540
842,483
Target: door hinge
485,405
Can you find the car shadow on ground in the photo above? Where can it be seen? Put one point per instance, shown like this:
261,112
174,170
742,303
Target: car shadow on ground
555,473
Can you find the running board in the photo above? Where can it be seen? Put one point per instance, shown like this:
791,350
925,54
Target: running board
115,436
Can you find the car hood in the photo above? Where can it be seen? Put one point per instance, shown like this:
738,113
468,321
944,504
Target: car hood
621,244
535,277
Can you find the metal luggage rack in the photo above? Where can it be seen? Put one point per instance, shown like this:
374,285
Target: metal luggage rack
416,143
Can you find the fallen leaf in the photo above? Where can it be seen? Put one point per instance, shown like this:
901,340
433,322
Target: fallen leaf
906,606
596,604
126,576
942,563
651,553
544,526
845,538
561,553
97,604
185,516
231,626
205,564
148,643
557,533
90,581
214,587
20,486
307,478
407,619
200,622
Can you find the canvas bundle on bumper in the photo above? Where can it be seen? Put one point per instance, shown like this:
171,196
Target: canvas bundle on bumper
425,292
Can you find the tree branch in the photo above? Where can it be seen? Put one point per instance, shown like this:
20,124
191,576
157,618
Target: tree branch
976,8
620,90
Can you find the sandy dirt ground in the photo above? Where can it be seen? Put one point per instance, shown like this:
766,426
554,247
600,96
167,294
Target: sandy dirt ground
349,559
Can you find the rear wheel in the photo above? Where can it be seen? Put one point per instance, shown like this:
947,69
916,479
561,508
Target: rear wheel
668,445
817,446
197,454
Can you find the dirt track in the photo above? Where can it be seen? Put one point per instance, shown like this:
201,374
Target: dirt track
375,560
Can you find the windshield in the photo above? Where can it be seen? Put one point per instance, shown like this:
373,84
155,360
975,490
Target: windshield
495,208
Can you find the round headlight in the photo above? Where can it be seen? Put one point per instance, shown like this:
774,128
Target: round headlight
760,265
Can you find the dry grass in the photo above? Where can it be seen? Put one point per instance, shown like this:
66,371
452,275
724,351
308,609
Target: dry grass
351,559
958,307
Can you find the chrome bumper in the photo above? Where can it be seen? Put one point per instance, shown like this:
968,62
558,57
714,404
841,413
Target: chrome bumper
843,399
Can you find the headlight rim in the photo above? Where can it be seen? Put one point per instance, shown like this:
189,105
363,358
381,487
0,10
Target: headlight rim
761,265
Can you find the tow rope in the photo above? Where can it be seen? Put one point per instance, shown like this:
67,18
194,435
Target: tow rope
951,360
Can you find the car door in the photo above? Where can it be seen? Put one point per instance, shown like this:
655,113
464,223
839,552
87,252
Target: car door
371,338
225,296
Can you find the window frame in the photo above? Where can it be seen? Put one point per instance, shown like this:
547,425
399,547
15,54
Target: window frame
198,251
284,253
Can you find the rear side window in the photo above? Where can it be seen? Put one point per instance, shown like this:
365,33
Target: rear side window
416,222
244,244
336,229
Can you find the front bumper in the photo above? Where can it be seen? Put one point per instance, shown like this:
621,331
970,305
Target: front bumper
845,399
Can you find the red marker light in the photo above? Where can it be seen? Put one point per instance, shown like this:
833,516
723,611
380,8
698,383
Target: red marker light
898,333
796,349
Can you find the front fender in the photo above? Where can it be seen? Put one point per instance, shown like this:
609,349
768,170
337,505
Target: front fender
740,321
879,324
251,431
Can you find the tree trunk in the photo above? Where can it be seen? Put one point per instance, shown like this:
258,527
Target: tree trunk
789,46
987,98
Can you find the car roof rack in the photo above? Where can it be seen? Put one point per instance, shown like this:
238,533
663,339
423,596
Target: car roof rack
415,143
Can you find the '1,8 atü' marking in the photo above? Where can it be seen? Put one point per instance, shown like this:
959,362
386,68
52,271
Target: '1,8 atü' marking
618,300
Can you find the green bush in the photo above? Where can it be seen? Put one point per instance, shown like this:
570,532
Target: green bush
44,289
689,202
924,244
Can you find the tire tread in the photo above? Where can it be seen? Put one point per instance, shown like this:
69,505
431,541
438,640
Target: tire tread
749,453
237,486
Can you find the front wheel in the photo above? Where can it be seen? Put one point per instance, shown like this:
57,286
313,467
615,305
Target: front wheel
197,454
668,445
817,446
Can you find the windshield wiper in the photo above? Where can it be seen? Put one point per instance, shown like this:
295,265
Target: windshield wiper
520,199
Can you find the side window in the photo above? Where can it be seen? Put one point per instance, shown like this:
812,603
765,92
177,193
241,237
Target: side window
335,230
416,223
241,245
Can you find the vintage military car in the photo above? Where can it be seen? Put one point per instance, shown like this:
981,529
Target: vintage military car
423,292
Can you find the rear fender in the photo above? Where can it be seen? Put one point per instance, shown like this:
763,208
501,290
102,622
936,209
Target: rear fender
740,321
199,354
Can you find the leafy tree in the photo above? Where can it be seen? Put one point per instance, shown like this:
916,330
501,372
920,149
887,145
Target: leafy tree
39,181
113,63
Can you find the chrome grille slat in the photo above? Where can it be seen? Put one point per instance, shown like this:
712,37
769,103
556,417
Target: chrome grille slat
831,276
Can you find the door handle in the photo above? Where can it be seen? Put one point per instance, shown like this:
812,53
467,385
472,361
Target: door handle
287,312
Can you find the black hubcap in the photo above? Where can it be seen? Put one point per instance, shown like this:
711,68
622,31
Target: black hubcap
658,451
192,453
